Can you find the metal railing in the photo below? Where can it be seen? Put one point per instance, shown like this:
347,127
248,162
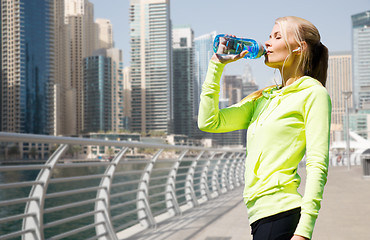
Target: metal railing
72,195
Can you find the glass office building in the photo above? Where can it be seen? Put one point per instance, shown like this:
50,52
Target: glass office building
26,56
183,80
97,94
361,59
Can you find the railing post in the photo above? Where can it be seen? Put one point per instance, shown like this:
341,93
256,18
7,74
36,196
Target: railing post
236,172
34,224
144,211
232,172
215,183
104,205
242,167
226,185
189,184
204,179
171,200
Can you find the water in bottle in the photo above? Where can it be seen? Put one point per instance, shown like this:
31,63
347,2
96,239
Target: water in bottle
235,46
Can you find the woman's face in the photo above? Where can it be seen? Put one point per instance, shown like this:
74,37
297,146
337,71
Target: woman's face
277,50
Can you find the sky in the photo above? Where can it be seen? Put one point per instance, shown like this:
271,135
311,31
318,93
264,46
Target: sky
244,18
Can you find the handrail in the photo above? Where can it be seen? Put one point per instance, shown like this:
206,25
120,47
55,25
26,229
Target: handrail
35,138
107,199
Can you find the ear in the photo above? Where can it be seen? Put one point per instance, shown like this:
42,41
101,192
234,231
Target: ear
303,47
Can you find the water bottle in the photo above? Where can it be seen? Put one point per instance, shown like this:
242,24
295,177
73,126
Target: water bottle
237,45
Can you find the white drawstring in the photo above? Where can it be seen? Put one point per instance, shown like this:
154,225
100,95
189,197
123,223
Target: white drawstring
264,107
259,114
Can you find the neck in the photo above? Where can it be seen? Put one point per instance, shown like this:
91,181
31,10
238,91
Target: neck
290,74
287,82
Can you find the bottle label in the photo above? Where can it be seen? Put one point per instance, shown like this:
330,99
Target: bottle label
229,45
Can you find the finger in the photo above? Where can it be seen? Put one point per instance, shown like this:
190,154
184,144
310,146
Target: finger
243,53
240,55
222,40
221,49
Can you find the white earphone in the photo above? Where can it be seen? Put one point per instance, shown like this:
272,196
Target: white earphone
296,50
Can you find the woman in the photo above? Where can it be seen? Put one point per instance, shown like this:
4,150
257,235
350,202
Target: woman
284,123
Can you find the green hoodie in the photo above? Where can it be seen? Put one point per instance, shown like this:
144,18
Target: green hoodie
283,125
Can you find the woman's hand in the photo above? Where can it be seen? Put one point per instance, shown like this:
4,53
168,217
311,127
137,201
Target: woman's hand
297,237
219,56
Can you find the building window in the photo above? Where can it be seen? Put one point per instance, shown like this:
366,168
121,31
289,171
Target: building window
183,42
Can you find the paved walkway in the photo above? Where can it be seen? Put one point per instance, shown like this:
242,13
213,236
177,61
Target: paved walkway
345,214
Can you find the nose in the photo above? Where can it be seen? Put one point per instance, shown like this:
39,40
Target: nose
267,44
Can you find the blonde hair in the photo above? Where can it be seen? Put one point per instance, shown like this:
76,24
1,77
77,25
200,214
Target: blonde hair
313,59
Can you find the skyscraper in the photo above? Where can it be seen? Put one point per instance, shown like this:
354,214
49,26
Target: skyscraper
249,84
127,109
104,99
339,80
74,7
151,71
361,59
104,33
119,119
64,94
183,80
233,88
98,94
80,37
26,83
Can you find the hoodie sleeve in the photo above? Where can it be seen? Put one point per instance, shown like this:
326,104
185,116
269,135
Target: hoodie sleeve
210,117
317,127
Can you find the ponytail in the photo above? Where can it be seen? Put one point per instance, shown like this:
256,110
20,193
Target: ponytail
317,65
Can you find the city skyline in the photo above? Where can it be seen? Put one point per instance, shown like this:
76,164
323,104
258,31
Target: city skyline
155,79
333,19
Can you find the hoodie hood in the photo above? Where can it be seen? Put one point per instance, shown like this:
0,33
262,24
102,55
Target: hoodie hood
300,84
274,96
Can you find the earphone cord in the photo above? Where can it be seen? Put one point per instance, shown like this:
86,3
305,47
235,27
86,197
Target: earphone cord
282,70
277,85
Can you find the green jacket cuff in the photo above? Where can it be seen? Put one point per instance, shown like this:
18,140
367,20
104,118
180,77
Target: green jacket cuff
305,226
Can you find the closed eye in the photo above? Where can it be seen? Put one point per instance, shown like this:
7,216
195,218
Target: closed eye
277,35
